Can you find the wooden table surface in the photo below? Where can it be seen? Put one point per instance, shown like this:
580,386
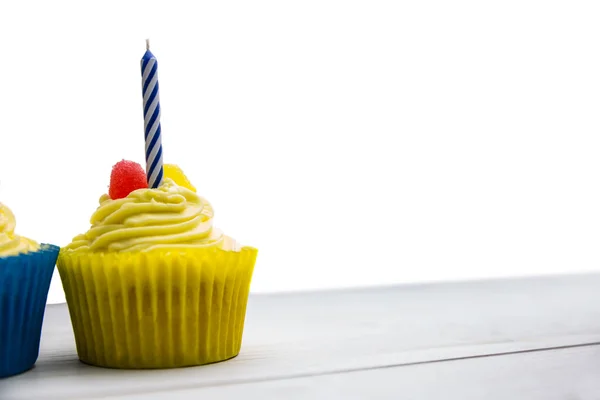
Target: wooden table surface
529,338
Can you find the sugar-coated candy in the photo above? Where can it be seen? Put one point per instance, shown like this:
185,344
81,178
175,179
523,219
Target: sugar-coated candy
126,176
175,173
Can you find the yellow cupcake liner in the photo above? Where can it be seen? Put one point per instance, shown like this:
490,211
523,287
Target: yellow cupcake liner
157,309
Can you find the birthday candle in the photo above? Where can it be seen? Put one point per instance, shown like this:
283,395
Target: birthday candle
154,161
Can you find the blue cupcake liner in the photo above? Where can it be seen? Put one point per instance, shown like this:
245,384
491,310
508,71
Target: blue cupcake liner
24,284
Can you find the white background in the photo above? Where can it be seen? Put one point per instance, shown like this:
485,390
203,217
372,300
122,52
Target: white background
352,142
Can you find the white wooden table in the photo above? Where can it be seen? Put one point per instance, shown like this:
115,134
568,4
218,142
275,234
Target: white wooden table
534,338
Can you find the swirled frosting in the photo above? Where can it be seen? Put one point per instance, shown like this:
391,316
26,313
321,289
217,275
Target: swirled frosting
10,243
170,217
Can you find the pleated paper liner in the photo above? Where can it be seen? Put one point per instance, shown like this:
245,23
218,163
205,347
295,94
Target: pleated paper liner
157,309
24,284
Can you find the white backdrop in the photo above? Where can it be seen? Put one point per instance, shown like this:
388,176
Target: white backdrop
352,142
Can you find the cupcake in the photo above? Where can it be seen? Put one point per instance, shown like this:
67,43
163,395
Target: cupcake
152,284
25,272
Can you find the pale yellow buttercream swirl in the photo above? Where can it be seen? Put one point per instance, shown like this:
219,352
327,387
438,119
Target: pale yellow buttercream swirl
168,217
10,243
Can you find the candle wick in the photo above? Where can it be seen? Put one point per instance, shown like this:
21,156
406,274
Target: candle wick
147,44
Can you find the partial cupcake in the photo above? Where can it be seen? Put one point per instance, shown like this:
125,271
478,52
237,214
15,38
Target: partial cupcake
25,272
152,284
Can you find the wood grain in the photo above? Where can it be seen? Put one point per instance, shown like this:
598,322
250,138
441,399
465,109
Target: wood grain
568,374
301,335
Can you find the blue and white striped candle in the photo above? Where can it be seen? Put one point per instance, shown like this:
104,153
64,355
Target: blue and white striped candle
154,161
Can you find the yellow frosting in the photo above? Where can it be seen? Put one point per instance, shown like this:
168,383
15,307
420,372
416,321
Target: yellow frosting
11,244
170,217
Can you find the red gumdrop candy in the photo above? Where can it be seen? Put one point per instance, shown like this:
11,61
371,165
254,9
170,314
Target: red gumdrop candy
126,176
